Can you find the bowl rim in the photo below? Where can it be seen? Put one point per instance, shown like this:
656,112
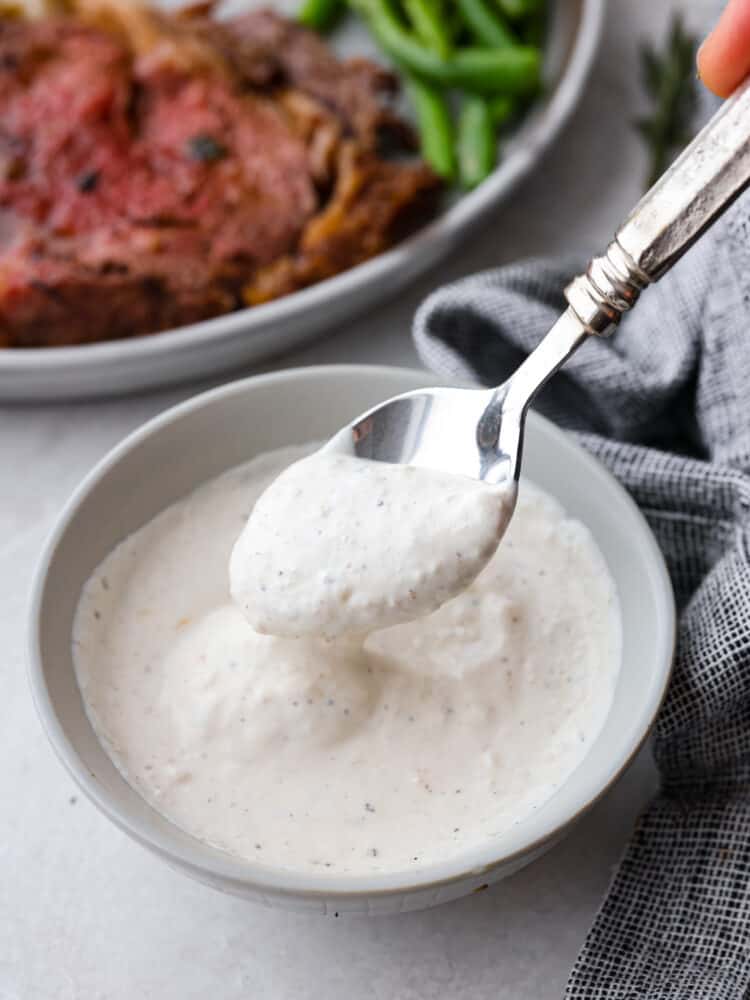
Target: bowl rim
211,865
431,242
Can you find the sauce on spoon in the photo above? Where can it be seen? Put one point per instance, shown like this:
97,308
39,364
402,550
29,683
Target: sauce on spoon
339,545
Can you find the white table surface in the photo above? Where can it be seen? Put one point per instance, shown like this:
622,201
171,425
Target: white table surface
87,914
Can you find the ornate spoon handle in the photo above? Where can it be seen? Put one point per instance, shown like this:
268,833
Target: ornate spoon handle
711,172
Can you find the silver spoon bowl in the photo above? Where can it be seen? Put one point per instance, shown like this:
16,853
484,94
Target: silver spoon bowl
479,432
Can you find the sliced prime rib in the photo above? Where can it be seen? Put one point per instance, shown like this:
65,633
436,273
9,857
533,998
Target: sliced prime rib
139,192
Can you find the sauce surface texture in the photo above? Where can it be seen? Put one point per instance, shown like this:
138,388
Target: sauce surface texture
377,753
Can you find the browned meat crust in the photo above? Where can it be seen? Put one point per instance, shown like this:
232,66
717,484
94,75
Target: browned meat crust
139,194
374,204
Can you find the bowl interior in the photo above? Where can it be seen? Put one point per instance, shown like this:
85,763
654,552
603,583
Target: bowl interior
201,438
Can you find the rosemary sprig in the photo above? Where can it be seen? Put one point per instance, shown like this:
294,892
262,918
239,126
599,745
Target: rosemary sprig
669,78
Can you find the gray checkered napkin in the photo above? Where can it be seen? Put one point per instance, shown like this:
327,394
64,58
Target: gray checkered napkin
665,404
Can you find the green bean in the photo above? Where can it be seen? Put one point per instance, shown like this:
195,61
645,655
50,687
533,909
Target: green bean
477,145
502,109
435,126
514,70
485,24
320,15
429,26
516,9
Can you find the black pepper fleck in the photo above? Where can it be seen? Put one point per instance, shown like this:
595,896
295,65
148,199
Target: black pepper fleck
205,149
88,181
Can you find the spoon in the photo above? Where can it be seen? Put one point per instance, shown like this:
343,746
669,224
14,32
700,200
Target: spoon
479,432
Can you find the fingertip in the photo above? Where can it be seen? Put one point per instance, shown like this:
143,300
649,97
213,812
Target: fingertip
724,57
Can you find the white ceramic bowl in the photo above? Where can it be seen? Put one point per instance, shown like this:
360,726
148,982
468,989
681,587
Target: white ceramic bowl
189,444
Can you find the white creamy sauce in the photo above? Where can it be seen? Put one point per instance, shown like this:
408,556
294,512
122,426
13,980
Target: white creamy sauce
339,544
356,755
